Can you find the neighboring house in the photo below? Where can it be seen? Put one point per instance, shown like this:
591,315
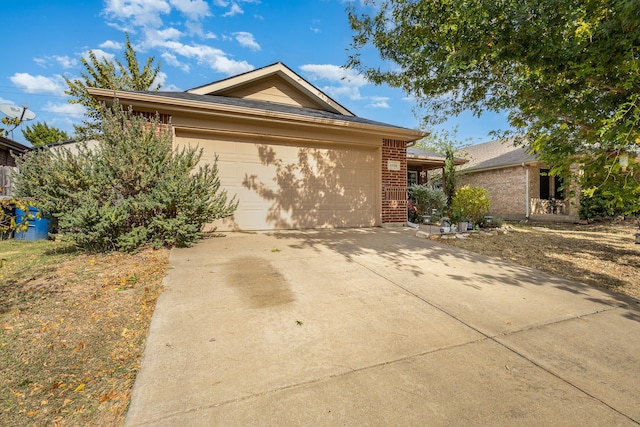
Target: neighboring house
518,183
8,147
292,156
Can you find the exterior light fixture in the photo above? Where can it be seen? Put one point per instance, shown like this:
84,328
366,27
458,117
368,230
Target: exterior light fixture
623,160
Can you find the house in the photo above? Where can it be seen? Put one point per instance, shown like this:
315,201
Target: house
518,183
8,147
292,156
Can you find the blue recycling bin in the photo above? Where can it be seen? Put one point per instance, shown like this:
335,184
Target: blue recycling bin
37,228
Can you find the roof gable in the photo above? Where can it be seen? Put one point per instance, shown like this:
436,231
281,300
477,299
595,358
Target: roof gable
275,83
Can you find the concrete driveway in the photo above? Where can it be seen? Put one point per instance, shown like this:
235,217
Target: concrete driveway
377,327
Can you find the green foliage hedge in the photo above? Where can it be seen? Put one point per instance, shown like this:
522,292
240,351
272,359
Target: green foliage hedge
470,203
130,190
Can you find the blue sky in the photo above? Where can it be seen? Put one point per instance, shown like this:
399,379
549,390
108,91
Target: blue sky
198,42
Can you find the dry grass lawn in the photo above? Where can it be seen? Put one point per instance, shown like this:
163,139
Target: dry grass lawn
600,254
72,331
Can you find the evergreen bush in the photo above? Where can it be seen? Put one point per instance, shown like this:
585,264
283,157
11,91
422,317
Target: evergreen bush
128,191
427,198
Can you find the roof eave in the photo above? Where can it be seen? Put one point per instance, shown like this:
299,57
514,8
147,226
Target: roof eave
510,165
190,106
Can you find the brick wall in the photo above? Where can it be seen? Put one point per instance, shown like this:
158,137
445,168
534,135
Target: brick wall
506,189
394,182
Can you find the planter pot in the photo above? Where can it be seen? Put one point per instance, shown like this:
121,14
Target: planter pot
462,226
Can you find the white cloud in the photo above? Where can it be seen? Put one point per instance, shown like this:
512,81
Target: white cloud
345,82
216,59
235,10
334,73
70,110
246,40
38,84
100,55
110,44
338,92
171,88
145,13
154,37
159,80
194,9
66,62
6,101
315,26
379,102
41,61
63,61
230,66
172,60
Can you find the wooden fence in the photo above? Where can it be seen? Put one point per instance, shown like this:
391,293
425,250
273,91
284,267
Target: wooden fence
6,187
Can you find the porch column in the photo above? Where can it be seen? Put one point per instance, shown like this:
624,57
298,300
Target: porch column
394,181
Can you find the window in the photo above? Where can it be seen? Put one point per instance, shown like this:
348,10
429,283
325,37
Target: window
412,178
545,194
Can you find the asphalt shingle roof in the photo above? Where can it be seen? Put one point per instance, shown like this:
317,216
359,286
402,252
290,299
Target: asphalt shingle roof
267,106
419,152
495,154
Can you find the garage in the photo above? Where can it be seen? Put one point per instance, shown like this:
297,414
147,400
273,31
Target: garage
293,157
287,186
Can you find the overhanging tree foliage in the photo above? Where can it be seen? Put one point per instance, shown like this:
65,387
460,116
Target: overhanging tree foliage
567,72
129,191
41,134
447,143
10,123
109,75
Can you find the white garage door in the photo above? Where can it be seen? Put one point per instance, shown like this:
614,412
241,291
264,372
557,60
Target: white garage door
282,186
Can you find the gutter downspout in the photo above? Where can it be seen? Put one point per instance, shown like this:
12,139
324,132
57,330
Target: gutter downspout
526,174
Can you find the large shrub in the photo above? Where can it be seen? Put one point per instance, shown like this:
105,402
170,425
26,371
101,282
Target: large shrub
470,203
427,198
129,190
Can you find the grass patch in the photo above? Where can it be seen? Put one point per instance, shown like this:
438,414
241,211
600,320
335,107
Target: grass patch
72,330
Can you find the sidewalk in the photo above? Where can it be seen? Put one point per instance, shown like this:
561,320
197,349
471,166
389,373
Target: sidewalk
378,327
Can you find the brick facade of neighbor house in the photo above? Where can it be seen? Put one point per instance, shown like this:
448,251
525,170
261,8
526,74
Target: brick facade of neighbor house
394,182
506,189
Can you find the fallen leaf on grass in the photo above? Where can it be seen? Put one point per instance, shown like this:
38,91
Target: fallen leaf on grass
80,387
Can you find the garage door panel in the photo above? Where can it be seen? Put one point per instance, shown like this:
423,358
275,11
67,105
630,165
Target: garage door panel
286,186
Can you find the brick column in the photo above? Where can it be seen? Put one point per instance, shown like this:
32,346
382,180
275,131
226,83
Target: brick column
394,181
